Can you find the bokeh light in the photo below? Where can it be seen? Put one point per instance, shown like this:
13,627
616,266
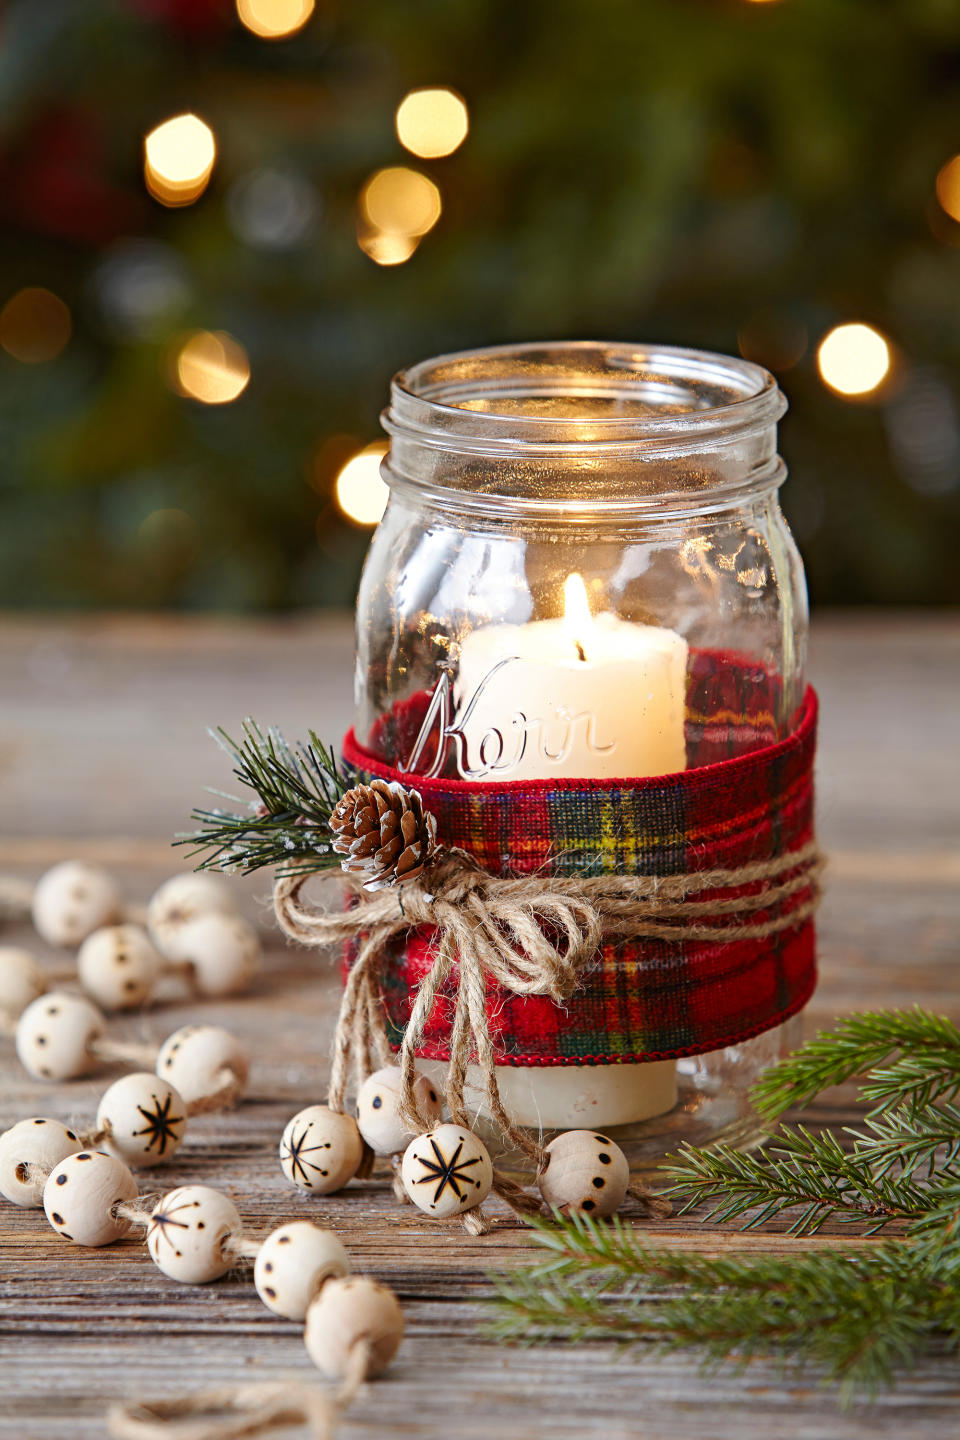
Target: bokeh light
274,19
386,248
361,492
34,325
178,159
948,188
400,201
853,359
432,122
212,367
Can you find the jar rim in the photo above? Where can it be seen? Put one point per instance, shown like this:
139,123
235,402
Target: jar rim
678,393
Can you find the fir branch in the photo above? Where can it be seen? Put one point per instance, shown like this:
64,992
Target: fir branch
929,1067
287,824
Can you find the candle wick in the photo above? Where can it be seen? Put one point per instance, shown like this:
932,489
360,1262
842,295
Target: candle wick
580,651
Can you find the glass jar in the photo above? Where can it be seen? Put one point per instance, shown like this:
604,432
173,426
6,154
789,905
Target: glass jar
579,501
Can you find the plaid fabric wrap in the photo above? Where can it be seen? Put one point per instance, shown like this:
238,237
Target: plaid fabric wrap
647,1000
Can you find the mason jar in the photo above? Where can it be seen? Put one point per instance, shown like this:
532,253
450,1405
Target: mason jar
583,574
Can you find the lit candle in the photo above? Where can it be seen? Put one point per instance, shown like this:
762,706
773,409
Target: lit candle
580,696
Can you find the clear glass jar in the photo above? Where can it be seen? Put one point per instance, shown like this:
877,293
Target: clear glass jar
651,474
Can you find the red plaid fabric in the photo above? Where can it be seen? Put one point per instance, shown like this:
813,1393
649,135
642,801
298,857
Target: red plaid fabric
654,999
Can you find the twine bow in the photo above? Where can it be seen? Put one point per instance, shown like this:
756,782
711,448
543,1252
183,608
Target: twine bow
531,936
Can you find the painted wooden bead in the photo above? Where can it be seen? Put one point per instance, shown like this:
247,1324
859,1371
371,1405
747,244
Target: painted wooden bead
586,1172
80,1195
320,1150
294,1263
144,1116
72,900
346,1312
181,900
187,1232
54,1035
118,967
447,1171
21,980
223,950
378,1109
198,1060
29,1150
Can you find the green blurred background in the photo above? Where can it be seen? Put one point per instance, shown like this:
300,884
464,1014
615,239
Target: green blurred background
721,173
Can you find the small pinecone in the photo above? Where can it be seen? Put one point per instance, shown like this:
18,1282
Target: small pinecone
384,832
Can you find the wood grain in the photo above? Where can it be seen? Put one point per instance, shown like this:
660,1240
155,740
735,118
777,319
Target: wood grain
102,753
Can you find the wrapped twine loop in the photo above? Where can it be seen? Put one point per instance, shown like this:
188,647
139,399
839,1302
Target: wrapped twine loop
534,935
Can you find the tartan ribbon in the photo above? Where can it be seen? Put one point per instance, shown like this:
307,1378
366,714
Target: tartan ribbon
697,979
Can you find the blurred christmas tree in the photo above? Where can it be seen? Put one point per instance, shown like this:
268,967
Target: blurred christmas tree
197,338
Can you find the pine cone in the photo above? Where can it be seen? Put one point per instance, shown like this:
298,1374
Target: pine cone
384,832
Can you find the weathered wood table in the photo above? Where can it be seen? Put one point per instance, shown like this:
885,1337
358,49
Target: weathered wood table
103,752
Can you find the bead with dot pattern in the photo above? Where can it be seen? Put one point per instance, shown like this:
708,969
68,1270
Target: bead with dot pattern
21,981
54,1035
72,900
585,1171
347,1312
80,1195
201,1060
294,1263
223,950
180,900
29,1151
378,1109
118,967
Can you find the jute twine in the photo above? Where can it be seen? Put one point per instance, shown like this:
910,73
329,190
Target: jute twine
531,936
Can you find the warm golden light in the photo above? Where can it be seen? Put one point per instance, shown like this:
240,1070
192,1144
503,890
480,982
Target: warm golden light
432,122
387,249
274,19
948,188
853,359
178,159
361,493
212,367
34,325
399,201
577,620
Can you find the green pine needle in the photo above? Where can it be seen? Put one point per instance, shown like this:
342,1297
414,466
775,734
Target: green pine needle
857,1315
287,823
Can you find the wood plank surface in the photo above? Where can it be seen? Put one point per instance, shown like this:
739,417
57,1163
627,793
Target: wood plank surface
102,753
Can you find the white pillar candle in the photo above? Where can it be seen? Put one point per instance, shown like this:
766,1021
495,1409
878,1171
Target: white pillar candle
577,697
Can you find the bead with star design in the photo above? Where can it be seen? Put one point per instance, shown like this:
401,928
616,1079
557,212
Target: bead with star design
447,1171
188,1231
320,1150
144,1119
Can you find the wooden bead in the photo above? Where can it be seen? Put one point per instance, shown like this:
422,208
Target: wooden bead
198,1060
29,1150
118,967
378,1109
585,1172
180,900
187,1232
72,900
80,1195
320,1150
346,1312
294,1263
223,950
54,1035
21,980
447,1171
145,1118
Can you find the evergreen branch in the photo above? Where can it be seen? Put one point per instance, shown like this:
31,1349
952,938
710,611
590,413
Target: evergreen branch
287,824
928,1068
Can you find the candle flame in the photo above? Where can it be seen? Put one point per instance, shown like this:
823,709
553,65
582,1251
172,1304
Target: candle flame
578,622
